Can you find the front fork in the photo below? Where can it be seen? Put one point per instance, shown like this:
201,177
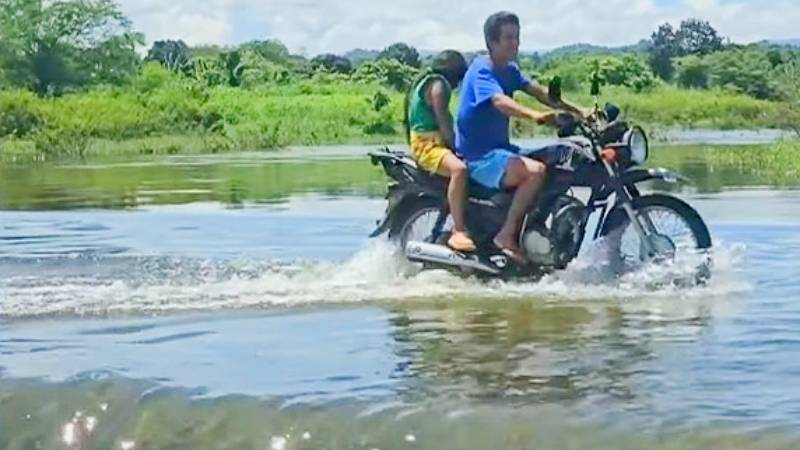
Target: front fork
641,221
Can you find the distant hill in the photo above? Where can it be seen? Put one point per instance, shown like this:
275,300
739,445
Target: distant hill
360,54
591,49
785,42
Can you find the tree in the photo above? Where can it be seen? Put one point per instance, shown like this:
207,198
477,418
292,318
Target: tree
788,82
663,48
775,57
389,72
331,63
693,37
745,70
260,72
401,52
6,58
271,49
231,63
629,70
56,45
698,37
206,51
174,55
693,72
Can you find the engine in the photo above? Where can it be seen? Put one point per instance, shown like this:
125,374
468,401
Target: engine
559,244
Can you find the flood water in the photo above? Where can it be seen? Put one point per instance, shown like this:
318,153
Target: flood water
235,301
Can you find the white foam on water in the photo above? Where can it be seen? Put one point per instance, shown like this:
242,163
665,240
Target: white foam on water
375,274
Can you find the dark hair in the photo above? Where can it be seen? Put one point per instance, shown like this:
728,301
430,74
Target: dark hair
494,25
450,64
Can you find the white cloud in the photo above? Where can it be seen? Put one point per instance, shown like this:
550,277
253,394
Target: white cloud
338,25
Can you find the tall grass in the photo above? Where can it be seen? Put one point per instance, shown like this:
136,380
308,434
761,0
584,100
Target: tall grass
667,106
162,113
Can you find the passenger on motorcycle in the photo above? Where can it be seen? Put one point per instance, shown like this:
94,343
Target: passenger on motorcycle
429,130
482,135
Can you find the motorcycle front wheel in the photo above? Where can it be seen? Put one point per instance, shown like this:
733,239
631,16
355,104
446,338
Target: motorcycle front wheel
679,231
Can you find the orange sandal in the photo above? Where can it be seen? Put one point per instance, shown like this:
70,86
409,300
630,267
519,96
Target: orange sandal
461,242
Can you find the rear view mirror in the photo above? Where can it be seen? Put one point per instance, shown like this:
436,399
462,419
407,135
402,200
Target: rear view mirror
554,89
612,112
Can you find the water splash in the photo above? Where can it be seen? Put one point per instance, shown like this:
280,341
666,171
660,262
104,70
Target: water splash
375,274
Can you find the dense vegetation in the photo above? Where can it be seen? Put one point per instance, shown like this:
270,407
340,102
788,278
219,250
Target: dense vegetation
72,82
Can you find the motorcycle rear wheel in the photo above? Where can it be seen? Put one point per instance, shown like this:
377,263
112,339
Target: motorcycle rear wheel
415,221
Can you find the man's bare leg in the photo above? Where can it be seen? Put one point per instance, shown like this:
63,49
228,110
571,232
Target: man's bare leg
527,176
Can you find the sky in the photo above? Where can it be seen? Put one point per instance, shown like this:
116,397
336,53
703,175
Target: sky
310,27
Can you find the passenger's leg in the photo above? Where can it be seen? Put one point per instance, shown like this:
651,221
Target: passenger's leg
455,168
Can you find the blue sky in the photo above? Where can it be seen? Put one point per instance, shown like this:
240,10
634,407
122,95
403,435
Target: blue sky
316,26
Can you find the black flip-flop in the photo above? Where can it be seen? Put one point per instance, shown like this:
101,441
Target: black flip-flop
515,256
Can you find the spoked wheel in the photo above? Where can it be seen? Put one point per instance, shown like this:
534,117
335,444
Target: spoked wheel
415,223
679,232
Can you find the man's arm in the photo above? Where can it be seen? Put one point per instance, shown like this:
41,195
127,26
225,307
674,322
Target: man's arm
536,91
511,108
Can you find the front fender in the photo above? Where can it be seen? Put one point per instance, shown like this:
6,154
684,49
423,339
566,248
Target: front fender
635,176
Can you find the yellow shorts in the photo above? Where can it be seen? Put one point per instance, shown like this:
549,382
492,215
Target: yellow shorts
428,149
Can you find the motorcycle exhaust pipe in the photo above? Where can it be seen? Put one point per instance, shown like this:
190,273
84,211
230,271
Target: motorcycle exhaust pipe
424,252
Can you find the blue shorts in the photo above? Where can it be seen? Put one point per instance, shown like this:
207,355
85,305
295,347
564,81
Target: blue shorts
490,169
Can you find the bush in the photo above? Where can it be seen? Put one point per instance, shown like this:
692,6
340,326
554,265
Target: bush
693,72
61,142
152,76
257,73
332,63
389,72
17,114
381,119
630,71
743,70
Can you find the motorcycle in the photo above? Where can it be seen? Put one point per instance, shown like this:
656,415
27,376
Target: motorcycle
604,155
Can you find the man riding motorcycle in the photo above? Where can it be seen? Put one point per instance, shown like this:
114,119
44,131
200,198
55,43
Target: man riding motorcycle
482,137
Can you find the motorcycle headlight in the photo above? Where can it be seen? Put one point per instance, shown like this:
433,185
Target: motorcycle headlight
638,145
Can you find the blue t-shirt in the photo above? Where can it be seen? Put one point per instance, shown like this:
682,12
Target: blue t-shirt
480,127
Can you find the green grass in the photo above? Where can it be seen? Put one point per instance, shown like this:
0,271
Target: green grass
166,115
671,107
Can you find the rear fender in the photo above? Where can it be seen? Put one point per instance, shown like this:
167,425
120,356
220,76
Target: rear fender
398,197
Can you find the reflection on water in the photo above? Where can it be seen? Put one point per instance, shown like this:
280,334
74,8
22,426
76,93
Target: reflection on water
266,178
711,175
526,354
233,182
